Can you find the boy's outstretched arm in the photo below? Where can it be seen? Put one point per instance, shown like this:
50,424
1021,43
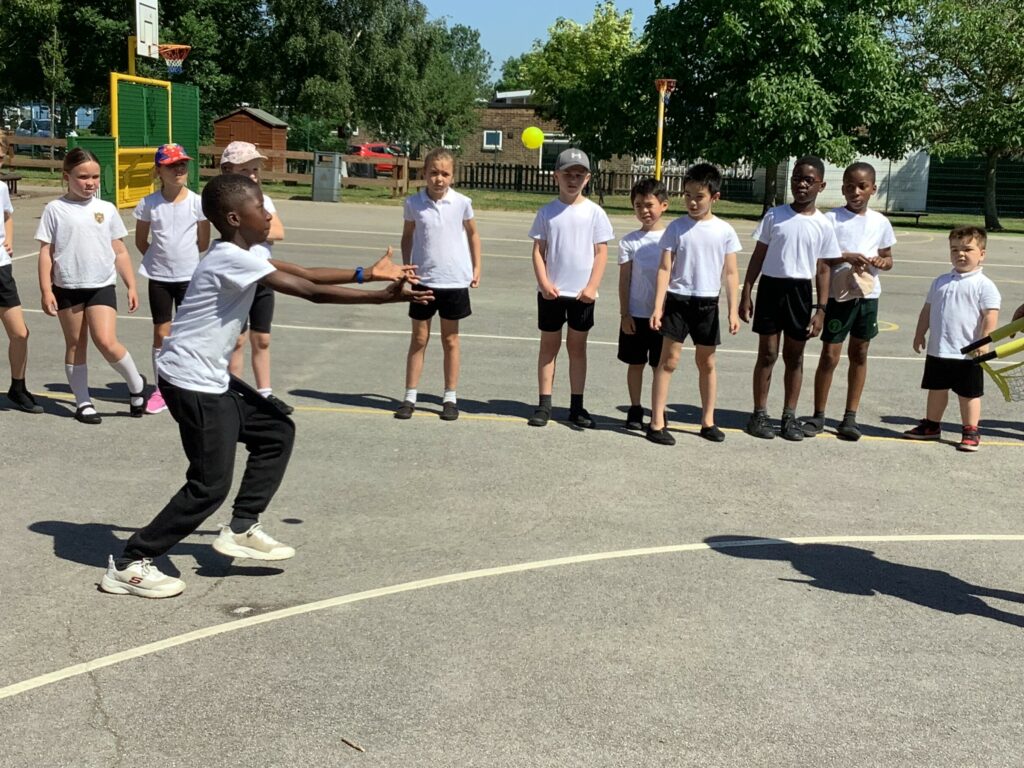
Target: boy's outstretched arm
473,236
589,293
293,285
661,288
923,321
383,269
540,270
732,279
753,272
625,319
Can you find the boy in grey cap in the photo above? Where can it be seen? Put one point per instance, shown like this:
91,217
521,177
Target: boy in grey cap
570,250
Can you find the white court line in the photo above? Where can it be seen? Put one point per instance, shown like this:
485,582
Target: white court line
453,578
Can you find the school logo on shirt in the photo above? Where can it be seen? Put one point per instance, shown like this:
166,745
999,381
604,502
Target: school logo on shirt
98,217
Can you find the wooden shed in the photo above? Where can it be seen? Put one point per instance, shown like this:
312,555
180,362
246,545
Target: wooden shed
257,127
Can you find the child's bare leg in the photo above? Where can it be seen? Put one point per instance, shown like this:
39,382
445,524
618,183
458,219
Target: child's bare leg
858,374
827,363
707,381
635,382
17,332
970,411
576,346
452,353
160,332
793,377
238,355
260,343
937,401
767,354
102,322
670,352
418,341
550,343
76,334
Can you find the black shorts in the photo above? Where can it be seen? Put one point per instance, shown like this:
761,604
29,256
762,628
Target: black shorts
783,306
964,377
164,299
449,303
90,297
8,288
693,316
644,346
552,314
261,313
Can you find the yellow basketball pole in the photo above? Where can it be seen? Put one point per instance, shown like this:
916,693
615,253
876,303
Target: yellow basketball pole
665,87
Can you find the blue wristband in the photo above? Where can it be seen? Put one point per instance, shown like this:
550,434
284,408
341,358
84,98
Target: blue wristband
359,275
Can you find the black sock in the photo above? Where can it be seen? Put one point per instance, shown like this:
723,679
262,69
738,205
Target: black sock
850,416
575,402
788,413
18,385
819,414
122,562
760,411
545,402
242,524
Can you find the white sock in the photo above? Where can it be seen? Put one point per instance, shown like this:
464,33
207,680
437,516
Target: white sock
78,378
449,396
126,367
410,396
266,391
156,373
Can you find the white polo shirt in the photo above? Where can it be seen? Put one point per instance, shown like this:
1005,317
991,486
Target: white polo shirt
699,249
643,251
440,247
8,209
81,233
195,356
864,233
795,242
173,252
571,232
956,303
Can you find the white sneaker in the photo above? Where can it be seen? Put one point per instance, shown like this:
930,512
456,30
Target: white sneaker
255,543
140,578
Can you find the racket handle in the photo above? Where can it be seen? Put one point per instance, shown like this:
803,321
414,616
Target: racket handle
975,345
999,333
984,358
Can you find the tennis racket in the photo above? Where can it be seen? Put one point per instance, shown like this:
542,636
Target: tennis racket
999,333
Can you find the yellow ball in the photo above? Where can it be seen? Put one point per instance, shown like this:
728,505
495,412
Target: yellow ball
533,137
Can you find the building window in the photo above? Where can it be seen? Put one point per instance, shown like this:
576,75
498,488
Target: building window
553,146
492,141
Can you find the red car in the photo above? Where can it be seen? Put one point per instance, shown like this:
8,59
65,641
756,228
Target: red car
376,149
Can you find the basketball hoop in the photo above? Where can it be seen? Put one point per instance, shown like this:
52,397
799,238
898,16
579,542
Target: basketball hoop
174,56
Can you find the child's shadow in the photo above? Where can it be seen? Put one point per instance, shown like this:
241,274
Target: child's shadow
91,543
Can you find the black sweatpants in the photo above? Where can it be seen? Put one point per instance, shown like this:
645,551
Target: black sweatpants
210,427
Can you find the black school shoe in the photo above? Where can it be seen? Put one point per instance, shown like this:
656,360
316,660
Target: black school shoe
791,429
449,412
848,429
635,417
712,433
582,418
812,425
138,411
280,404
660,436
540,417
760,426
88,418
22,400
405,410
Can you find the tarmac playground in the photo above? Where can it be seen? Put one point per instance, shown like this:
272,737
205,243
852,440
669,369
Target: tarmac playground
482,593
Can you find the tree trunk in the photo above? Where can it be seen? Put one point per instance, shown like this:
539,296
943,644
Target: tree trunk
771,186
53,122
991,209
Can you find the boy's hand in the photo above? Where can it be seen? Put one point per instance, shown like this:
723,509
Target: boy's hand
402,290
475,282
386,269
734,323
628,326
1019,313
133,300
655,320
548,291
919,342
857,260
746,308
588,295
881,262
49,303
817,320
9,248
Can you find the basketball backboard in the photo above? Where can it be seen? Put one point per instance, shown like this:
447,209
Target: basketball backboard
147,28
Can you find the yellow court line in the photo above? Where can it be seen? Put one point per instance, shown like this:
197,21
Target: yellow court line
76,670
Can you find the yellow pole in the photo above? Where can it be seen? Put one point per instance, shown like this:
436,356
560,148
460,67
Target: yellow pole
132,40
661,127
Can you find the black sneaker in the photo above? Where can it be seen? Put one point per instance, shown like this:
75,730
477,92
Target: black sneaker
581,418
138,410
449,411
635,417
540,417
22,400
712,433
848,429
760,426
405,410
280,404
812,425
791,429
660,436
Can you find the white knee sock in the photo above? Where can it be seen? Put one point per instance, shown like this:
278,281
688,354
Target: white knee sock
78,378
126,367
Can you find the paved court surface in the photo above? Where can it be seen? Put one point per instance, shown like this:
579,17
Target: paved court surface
481,593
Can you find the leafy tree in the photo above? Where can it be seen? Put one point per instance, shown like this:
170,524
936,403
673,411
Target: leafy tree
513,76
572,71
770,79
972,54
52,57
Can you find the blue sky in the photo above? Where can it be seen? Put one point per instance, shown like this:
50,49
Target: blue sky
509,28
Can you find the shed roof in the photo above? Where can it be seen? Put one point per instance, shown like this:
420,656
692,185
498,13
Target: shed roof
257,114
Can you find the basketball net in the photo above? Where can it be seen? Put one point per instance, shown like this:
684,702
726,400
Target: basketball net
174,57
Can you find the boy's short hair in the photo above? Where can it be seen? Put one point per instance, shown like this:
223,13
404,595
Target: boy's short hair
439,153
970,232
860,167
225,193
646,187
812,160
706,175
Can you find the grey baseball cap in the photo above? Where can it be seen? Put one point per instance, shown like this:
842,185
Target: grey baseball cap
571,157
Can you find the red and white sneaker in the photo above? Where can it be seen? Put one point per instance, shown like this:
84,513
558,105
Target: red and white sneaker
969,439
156,403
